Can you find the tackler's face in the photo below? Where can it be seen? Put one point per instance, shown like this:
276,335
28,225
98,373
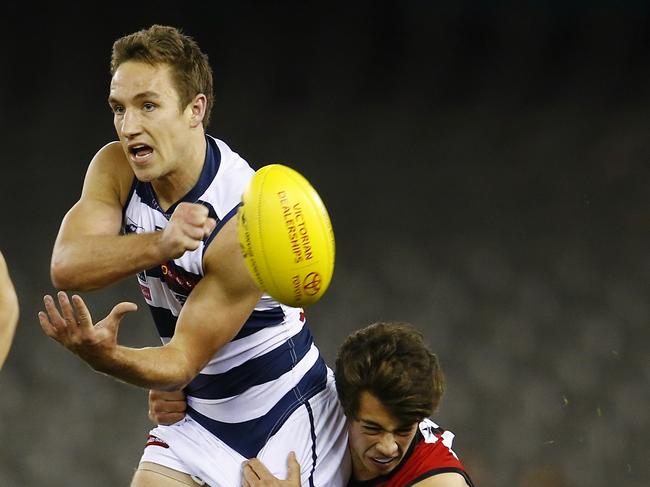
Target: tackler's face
148,118
378,442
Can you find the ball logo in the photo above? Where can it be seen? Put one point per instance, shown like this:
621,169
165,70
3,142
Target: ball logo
312,283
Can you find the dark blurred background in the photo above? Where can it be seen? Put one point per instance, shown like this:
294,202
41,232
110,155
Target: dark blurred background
485,165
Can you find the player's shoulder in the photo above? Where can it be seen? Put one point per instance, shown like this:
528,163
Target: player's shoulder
223,146
228,157
109,170
111,151
430,430
435,455
111,158
436,443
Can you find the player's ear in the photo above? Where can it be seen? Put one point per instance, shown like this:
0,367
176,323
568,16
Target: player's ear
197,107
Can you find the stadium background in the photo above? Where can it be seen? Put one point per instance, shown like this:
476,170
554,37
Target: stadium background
485,165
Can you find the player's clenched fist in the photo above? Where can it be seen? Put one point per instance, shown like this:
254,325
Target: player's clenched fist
187,227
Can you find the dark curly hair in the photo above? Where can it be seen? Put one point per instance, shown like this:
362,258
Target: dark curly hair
392,362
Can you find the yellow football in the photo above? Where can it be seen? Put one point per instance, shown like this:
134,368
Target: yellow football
286,236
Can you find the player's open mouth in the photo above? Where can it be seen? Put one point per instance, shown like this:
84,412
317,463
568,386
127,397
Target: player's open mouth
382,463
140,153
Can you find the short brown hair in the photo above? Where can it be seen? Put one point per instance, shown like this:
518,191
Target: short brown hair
160,44
392,362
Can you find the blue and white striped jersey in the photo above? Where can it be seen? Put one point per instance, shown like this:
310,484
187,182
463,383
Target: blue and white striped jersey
272,366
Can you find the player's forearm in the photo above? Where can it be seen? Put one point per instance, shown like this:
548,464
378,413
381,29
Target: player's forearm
92,262
161,368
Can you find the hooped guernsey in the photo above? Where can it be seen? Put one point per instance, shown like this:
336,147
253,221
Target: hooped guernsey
272,357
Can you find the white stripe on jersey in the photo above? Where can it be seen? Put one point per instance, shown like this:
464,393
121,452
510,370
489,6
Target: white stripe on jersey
257,400
243,349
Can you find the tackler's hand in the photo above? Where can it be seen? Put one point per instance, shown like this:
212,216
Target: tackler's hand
255,474
166,407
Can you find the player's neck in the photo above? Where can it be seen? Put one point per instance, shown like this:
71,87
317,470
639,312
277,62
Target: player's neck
171,187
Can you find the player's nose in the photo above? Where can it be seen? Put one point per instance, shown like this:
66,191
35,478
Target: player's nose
387,445
130,124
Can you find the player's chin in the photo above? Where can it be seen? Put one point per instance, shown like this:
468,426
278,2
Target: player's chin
144,174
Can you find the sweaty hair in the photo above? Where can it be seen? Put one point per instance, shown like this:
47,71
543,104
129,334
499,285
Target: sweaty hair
160,44
391,362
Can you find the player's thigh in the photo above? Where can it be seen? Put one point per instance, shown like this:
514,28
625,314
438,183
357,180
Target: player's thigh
154,475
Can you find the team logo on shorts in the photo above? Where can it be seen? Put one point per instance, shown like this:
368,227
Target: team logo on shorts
155,441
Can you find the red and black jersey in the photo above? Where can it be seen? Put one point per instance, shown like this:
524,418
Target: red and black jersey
429,454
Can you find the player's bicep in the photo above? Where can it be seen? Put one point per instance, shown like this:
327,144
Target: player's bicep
90,217
106,186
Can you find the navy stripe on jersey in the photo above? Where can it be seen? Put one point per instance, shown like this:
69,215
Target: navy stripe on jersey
129,227
166,322
220,224
209,171
314,457
212,213
259,370
249,437
210,167
261,319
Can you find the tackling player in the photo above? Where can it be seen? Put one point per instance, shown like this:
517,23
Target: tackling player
389,383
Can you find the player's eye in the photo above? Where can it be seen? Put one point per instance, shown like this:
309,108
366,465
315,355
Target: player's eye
371,431
117,109
148,107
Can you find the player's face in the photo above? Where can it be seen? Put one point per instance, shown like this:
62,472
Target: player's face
378,442
148,119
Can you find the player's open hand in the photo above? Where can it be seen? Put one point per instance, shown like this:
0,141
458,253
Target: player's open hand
72,327
166,407
188,226
255,474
